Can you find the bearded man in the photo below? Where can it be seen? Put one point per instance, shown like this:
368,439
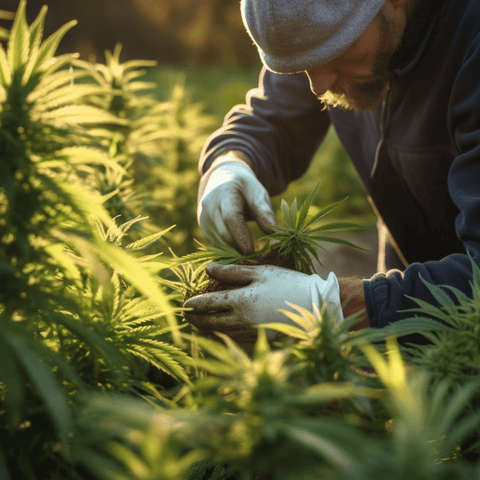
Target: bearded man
401,83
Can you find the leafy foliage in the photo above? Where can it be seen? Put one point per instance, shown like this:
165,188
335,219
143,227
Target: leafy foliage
95,378
301,236
77,309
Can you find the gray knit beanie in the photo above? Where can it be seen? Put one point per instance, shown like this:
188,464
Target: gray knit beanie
295,35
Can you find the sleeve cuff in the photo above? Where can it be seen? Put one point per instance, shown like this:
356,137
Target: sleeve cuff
375,290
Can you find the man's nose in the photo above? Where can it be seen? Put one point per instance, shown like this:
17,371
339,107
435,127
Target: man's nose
321,79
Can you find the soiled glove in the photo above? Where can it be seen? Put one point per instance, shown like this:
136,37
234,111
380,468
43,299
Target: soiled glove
231,194
265,290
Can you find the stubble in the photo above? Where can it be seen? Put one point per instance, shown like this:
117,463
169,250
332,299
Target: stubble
369,94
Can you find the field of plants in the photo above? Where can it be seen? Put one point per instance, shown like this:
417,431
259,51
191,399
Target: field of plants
101,377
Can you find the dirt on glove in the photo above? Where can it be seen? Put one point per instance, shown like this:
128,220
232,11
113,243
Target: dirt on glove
272,257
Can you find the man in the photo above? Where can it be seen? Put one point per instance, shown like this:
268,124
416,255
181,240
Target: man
401,80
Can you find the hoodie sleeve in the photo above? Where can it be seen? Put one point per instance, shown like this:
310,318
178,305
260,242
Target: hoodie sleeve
279,129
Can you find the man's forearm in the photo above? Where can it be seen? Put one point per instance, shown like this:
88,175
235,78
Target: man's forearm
353,300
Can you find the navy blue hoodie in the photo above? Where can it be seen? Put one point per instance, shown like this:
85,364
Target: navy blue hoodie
419,156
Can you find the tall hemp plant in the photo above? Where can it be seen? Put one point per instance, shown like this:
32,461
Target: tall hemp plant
78,310
158,148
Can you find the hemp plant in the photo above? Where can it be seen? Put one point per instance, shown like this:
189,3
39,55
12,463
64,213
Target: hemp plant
453,349
77,311
302,235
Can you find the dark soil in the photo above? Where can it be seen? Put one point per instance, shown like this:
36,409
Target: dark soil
268,258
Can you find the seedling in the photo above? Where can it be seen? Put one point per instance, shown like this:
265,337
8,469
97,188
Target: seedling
302,235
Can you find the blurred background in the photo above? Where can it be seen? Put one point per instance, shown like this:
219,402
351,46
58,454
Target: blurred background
177,32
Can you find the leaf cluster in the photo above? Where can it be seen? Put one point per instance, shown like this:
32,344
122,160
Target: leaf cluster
301,236
80,310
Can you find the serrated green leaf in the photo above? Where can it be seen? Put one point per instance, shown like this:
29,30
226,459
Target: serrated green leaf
462,298
161,360
57,63
81,114
146,241
289,330
285,209
323,212
49,47
5,68
36,34
88,155
133,64
438,294
83,202
19,39
53,82
48,388
338,241
421,325
58,253
140,86
138,276
36,29
302,214
70,94
427,308
339,227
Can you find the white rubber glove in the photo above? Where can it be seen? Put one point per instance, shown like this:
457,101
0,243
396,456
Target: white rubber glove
232,194
265,290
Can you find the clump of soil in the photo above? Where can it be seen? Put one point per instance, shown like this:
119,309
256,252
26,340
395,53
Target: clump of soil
272,257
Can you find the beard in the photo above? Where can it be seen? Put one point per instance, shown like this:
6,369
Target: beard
369,94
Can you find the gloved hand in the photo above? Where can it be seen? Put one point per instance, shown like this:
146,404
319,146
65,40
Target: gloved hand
227,195
265,290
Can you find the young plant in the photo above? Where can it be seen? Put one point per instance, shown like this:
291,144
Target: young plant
301,235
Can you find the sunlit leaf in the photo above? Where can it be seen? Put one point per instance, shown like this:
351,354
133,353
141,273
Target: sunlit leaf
49,47
47,386
19,41
5,68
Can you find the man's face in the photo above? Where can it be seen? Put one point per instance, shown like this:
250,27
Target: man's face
359,78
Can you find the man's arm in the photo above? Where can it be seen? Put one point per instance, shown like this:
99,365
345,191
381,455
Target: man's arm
278,130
